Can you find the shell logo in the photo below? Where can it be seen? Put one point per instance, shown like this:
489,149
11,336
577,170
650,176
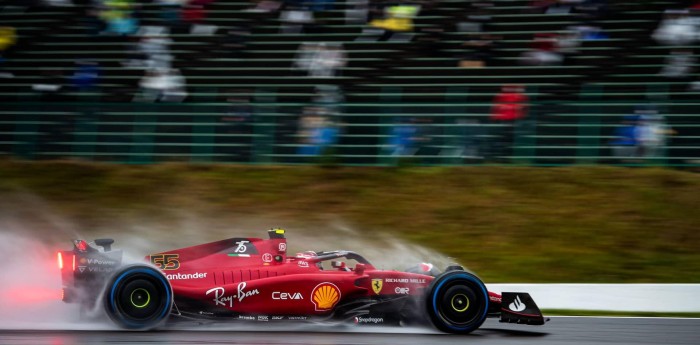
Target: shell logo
325,296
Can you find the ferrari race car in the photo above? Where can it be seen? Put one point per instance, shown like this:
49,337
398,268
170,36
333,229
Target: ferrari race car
252,279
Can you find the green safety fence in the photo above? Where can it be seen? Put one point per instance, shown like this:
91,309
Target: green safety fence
391,130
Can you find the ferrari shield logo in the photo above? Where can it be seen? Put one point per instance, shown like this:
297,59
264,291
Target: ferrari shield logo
377,285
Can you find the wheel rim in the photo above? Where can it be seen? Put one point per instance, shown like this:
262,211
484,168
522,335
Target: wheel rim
456,305
460,303
140,298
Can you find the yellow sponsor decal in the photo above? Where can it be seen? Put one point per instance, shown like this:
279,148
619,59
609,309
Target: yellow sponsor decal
377,285
325,296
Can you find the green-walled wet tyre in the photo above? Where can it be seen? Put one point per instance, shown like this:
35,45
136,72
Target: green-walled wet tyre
457,302
138,297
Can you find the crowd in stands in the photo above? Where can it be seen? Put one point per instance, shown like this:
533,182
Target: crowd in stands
641,135
320,123
8,38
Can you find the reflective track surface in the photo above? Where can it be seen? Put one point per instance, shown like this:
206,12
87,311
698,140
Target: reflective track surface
560,330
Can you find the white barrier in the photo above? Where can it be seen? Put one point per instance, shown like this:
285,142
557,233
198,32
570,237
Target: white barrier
611,297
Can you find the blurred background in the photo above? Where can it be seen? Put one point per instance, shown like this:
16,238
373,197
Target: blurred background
360,82
512,128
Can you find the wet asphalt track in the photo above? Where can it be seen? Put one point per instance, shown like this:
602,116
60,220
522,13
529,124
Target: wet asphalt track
560,330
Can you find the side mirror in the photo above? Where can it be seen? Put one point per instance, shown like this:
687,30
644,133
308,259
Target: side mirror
359,269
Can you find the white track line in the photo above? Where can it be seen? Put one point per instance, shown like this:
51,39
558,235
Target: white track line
624,317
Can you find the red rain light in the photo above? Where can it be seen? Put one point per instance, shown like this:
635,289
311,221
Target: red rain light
60,261
81,245
73,263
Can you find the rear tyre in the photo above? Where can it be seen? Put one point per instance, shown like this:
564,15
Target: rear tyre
138,297
457,302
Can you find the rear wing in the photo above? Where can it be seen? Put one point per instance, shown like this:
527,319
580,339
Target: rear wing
519,307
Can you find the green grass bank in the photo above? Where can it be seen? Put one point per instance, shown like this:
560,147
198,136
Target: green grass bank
509,224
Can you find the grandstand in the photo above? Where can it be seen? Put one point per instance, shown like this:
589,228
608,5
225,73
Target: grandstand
575,107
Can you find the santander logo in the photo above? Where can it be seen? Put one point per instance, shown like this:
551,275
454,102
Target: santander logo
517,305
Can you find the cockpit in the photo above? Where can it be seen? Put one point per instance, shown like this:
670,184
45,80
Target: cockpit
338,260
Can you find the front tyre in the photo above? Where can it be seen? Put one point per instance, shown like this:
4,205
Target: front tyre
457,302
138,297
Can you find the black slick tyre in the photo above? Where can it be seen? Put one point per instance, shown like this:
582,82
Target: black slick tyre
138,297
457,302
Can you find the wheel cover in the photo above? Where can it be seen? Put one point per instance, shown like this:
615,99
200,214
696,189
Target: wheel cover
455,302
138,296
460,303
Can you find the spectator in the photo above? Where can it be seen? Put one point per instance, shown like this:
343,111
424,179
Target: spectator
410,136
652,133
166,85
170,11
235,133
569,41
195,15
480,50
320,60
397,24
431,43
541,6
676,29
403,140
356,11
154,46
305,57
8,38
329,97
425,135
544,51
235,42
592,9
58,3
266,6
555,6
86,75
295,18
562,6
589,32
317,132
117,14
50,86
626,141
468,142
679,64
93,20
320,5
509,107
479,16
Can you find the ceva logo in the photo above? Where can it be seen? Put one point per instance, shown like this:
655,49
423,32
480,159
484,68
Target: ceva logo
287,295
517,305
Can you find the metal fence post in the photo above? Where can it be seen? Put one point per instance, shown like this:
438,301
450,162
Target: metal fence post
142,134
204,132
264,125
588,140
390,95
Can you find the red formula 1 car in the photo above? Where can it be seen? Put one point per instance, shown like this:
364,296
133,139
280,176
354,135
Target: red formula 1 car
251,279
